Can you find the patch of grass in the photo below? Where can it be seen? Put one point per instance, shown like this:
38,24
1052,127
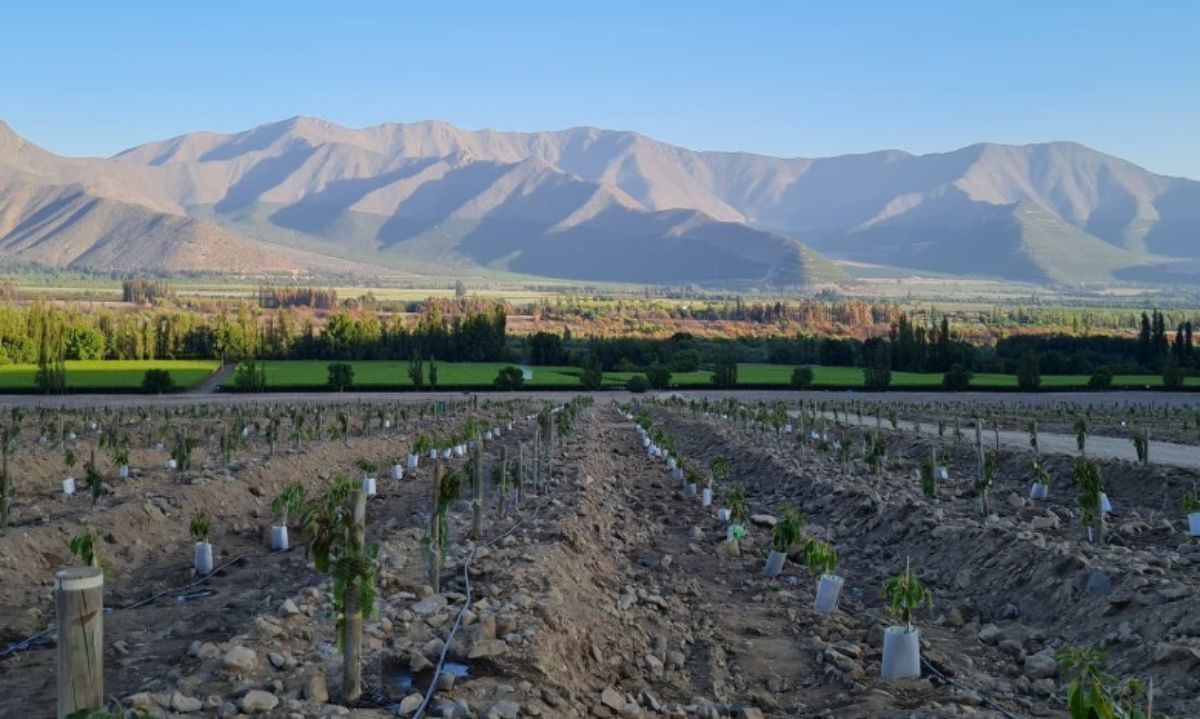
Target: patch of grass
110,374
394,373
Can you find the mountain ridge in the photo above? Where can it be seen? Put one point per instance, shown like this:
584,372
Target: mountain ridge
435,195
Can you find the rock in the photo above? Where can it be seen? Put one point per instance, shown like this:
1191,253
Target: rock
1165,653
962,580
990,634
1099,583
184,704
257,701
485,648
503,709
1015,500
1010,611
240,659
409,704
429,606
612,699
1044,522
763,520
277,660
1040,665
749,713
289,608
315,689
142,701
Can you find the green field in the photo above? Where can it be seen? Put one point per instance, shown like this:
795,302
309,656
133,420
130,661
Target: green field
394,373
312,374
109,374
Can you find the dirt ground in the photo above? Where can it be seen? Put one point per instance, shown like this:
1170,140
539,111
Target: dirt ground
610,592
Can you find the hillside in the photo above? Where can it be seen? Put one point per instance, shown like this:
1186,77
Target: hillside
595,204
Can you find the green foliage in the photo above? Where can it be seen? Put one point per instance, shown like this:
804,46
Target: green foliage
1191,503
906,594
928,481
737,504
92,478
1029,375
719,468
340,377
802,378
335,549
1102,378
289,503
592,377
1086,478
820,558
200,527
367,467
157,381
725,372
423,445
1081,433
250,376
787,531
659,376
1040,475
509,379
988,475
83,545
637,384
416,370
1173,373
878,372
957,379
1093,693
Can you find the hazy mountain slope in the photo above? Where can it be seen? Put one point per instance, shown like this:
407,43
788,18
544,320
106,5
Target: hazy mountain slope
599,204
68,226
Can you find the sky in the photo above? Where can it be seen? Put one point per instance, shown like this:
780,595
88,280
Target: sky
780,78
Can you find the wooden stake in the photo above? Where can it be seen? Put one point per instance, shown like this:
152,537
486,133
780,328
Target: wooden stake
79,605
352,625
520,476
477,491
435,533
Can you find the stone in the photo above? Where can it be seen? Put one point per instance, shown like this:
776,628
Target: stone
1099,583
750,713
763,520
503,709
486,648
315,689
240,659
990,634
612,699
1040,666
1010,611
257,701
429,606
277,660
185,704
410,703
289,608
1165,653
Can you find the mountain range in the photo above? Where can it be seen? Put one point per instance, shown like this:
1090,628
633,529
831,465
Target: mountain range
589,204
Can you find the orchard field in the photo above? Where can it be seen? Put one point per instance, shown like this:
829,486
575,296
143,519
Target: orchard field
633,556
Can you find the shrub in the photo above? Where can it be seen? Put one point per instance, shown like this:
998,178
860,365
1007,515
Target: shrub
802,377
787,531
592,377
1172,374
1101,378
509,379
341,376
1029,373
906,593
957,379
878,373
250,377
725,373
157,381
637,384
686,361
659,377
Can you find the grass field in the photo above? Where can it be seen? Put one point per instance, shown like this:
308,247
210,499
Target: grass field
384,373
109,374
394,373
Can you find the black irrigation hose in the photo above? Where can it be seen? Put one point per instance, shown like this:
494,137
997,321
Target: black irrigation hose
17,647
991,703
441,662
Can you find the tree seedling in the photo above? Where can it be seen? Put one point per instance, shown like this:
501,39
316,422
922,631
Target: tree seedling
906,594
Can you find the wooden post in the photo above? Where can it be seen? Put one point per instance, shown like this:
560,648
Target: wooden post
435,533
79,605
352,624
537,456
503,492
477,491
520,476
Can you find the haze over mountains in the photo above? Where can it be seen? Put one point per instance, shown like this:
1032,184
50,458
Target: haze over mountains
592,205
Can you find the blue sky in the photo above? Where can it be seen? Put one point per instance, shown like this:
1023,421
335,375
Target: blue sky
786,78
